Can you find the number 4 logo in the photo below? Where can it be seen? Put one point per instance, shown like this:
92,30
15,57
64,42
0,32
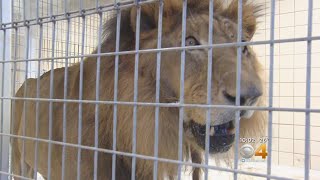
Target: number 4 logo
261,151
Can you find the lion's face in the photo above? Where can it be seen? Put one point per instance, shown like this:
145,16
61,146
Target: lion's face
224,73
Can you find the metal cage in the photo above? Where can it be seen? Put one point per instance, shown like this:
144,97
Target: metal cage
38,36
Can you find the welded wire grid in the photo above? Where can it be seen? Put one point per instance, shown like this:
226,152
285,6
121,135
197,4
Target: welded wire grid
289,68
48,34
74,44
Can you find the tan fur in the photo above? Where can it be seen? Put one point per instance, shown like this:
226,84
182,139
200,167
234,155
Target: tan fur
224,76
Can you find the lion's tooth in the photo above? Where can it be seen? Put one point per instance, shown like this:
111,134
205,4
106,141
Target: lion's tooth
211,131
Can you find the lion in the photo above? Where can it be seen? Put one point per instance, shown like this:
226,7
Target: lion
86,114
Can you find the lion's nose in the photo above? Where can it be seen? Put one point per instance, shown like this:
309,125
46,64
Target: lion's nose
248,96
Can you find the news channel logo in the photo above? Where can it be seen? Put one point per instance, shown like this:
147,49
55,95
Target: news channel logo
247,152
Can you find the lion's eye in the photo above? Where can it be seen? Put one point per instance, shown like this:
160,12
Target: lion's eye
192,41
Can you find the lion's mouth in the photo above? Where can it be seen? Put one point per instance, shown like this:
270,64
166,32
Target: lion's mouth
221,136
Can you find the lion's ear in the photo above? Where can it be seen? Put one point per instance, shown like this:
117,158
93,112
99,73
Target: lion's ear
250,13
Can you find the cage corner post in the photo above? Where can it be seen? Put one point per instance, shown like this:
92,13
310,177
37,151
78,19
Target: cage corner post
5,87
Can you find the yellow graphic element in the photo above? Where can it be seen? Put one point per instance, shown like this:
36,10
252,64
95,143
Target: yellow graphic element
262,151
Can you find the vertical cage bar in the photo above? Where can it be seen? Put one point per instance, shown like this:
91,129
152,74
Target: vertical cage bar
51,8
24,10
81,95
12,13
158,74
182,74
65,6
24,115
238,90
5,17
135,90
80,6
13,102
98,4
96,120
0,13
270,119
115,93
293,74
37,11
308,92
38,96
51,92
65,96
209,86
2,156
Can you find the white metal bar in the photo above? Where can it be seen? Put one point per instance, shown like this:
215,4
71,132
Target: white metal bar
14,74
5,106
182,74
13,83
96,121
51,9
24,114
80,6
270,120
80,95
135,89
97,5
158,74
308,93
238,89
66,7
2,149
115,94
24,11
0,13
65,96
35,176
209,87
51,93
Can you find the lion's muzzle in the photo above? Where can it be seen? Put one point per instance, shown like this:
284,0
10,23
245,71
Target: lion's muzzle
221,136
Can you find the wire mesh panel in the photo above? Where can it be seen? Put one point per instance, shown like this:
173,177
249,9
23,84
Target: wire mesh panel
289,84
159,89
